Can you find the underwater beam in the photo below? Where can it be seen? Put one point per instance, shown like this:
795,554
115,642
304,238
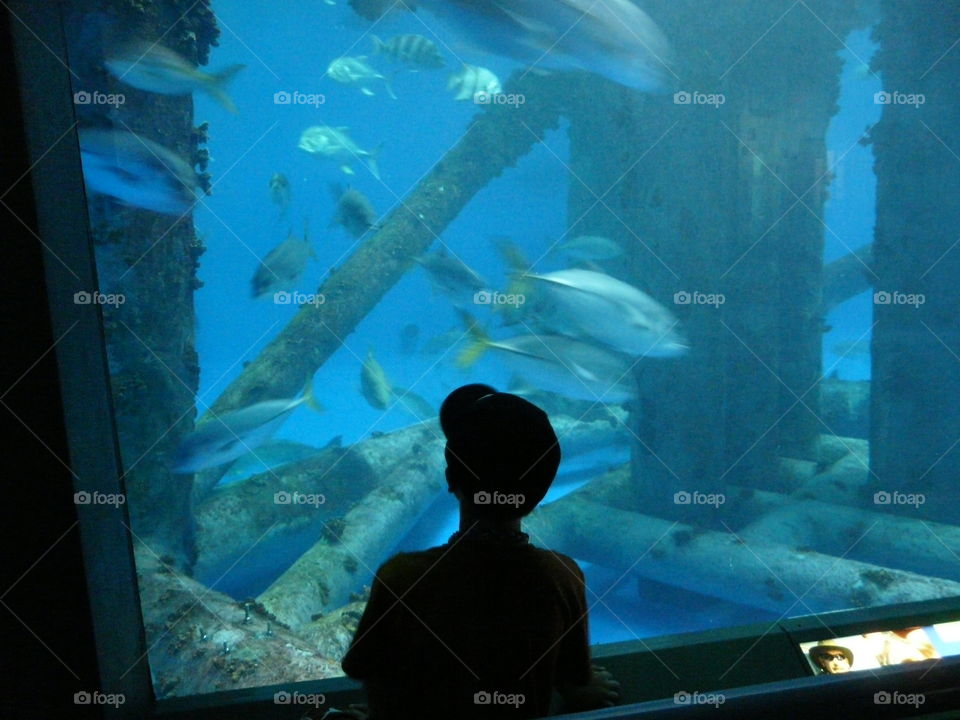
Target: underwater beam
497,138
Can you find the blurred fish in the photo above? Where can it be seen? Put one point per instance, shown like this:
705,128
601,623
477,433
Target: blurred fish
415,50
379,392
409,336
451,276
225,438
356,71
471,80
444,341
613,38
149,66
559,364
280,192
136,171
589,247
283,265
354,210
593,305
271,454
335,144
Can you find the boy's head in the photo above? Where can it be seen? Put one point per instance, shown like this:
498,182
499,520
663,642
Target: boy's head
502,453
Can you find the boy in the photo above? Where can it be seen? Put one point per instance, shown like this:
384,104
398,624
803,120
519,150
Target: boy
486,626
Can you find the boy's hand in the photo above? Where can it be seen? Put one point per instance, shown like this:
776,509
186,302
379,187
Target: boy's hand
602,691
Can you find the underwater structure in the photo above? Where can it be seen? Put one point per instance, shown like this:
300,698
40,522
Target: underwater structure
730,209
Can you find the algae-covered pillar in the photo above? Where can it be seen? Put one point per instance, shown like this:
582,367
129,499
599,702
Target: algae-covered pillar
149,260
915,413
718,192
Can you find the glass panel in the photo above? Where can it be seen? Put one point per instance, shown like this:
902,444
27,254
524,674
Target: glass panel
313,222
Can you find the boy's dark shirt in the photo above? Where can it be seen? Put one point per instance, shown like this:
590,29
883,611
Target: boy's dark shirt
474,616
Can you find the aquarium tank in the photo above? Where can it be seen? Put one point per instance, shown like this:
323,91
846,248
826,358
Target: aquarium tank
716,242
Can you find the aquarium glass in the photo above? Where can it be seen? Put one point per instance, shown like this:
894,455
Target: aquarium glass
315,219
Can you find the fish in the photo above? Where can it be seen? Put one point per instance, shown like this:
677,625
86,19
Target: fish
559,364
587,248
136,171
590,304
612,38
451,275
354,211
472,80
444,341
409,336
233,434
152,67
271,454
280,192
283,265
356,71
336,144
415,50
378,391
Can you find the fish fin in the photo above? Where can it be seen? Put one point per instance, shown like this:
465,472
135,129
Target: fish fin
377,44
479,342
217,88
388,86
372,161
309,399
367,91
347,170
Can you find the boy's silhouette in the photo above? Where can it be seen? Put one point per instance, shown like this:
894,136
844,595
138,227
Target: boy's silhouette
485,626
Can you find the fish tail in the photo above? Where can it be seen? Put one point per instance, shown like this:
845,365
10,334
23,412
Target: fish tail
372,161
218,87
517,265
479,342
309,399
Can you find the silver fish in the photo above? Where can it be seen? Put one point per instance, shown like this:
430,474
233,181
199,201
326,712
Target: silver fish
594,305
283,265
560,364
354,211
152,67
136,171
415,50
220,440
613,38
356,71
271,454
472,80
336,144
452,276
590,247
378,391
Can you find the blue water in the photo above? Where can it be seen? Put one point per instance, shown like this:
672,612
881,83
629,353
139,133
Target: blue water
290,51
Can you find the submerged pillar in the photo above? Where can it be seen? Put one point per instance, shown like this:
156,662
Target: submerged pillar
717,192
915,413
